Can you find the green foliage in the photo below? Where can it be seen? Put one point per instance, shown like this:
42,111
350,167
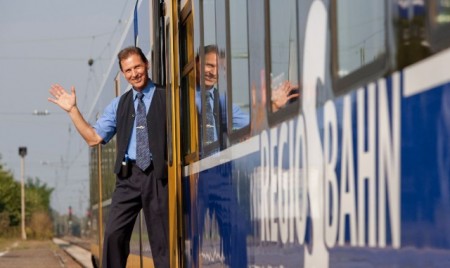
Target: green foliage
37,205
37,196
4,220
9,197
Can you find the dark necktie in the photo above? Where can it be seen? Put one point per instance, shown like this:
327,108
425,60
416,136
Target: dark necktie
142,146
210,124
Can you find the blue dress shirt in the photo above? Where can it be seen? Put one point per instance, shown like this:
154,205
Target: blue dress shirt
106,125
240,118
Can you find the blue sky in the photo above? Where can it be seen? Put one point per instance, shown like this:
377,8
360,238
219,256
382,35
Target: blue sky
41,43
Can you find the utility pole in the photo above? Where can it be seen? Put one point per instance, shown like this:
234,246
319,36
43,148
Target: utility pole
22,153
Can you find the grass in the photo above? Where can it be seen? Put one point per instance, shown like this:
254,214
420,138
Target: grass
6,243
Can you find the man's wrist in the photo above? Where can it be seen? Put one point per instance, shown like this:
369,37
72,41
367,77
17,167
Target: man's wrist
275,107
73,110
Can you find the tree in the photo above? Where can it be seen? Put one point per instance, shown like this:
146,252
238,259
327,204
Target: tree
38,209
37,197
9,197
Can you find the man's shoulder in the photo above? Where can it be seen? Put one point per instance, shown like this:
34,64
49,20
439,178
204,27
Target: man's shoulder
159,87
124,95
160,90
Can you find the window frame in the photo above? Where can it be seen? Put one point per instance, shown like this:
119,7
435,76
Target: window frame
189,141
204,149
237,135
289,111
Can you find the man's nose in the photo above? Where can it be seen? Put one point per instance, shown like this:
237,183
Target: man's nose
209,71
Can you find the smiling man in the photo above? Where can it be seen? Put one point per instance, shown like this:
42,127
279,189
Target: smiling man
138,117
215,103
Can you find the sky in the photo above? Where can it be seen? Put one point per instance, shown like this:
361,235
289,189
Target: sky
41,43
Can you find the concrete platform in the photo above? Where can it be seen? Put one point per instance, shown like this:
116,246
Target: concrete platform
35,254
80,255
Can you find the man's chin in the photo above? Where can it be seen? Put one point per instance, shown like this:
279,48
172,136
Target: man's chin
209,86
140,85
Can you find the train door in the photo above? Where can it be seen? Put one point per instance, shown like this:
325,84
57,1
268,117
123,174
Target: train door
189,120
173,124
182,115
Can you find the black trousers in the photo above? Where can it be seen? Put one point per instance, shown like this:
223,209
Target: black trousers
139,191
217,197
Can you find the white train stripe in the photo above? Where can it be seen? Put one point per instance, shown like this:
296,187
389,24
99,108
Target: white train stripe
427,74
245,148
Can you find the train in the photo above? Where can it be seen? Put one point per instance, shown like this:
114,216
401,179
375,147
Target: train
354,172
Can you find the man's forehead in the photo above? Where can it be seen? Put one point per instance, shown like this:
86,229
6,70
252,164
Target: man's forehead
211,56
132,59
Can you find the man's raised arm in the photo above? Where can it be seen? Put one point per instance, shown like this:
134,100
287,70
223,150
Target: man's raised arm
68,102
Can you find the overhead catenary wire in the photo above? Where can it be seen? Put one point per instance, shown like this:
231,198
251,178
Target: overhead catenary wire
72,153
52,39
92,77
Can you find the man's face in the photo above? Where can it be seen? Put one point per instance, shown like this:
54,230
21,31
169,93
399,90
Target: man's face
135,71
210,70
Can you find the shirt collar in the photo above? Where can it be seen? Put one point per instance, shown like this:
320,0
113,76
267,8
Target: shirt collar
211,90
145,91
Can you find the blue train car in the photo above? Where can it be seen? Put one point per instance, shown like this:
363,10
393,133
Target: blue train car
353,173
344,160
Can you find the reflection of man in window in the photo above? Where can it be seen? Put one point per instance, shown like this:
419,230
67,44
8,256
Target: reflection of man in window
281,95
217,102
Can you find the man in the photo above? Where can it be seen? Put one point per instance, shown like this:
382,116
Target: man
217,103
284,93
141,158
217,198
216,194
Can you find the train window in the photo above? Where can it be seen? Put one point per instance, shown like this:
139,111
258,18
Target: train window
222,56
284,59
215,66
359,41
188,111
206,63
209,22
238,60
439,21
